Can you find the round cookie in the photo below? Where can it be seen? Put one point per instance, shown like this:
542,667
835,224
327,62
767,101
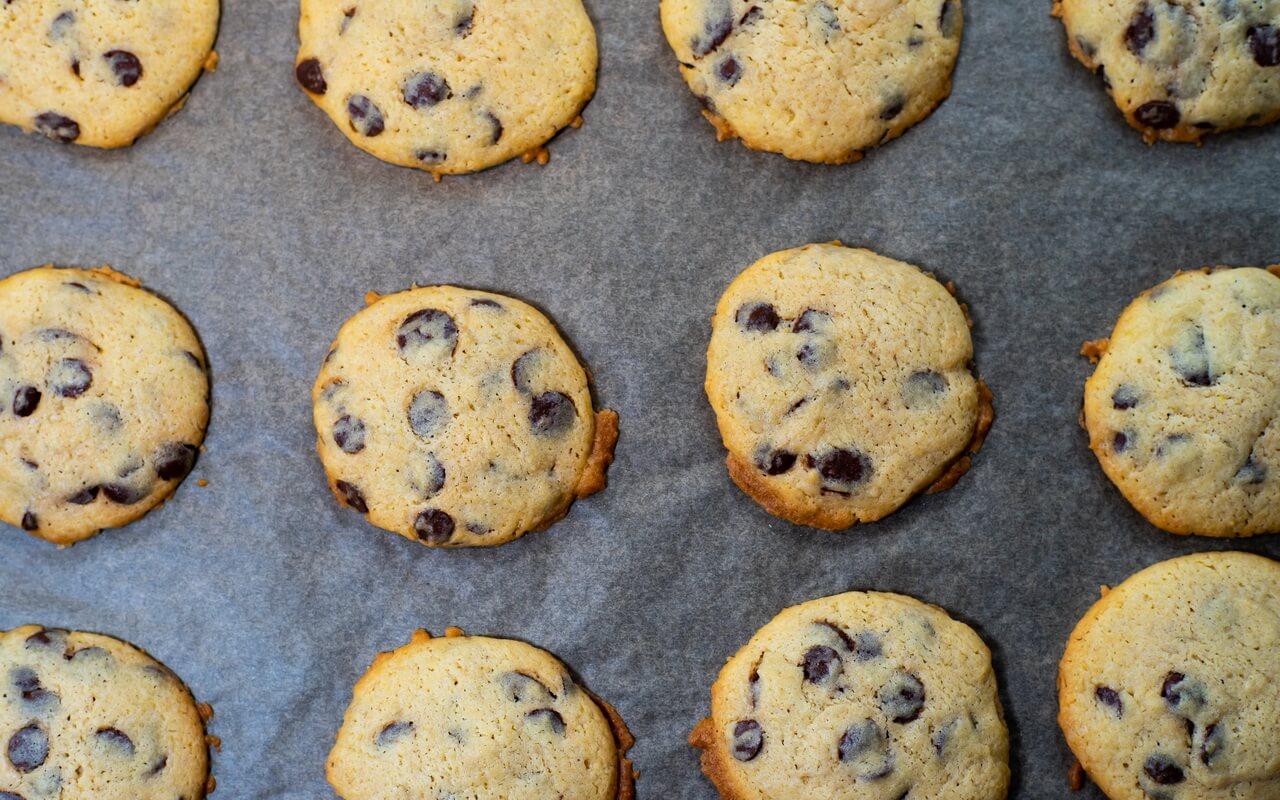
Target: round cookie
471,716
1183,410
103,401
1170,686
101,72
458,418
864,694
841,384
1181,69
89,717
815,80
448,86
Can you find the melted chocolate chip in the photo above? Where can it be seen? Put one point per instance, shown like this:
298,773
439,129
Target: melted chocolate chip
61,23
434,526
1119,442
310,76
893,107
352,496
11,796
425,89
69,377
1184,695
1124,397
941,736
25,401
859,738
820,664
1141,30
465,23
348,434
1163,770
47,639
902,698
1251,472
30,522
811,321
521,686
124,494
85,496
1190,358
365,116
174,460
1211,743
428,476
427,329
495,125
28,748
125,65
1264,43
393,732
748,739
431,156
922,387
551,414
715,31
485,302
750,16
842,467
1111,698
866,646
775,462
428,413
948,19
522,370
758,317
729,70
550,716
57,127
1158,114
158,766
116,738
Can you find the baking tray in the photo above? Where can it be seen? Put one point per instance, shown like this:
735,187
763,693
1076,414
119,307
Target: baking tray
252,213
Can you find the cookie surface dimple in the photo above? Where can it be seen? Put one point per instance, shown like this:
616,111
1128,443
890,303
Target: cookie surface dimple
817,80
1169,686
104,401
841,383
1183,410
864,693
1181,69
100,72
447,86
89,717
471,716
456,418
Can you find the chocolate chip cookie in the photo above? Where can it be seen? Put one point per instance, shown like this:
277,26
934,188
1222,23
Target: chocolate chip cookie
89,717
1170,686
842,384
448,86
862,694
100,72
815,80
471,716
104,401
1181,69
1183,410
458,418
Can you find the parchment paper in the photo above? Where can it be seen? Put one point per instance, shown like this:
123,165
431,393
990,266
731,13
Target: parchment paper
253,214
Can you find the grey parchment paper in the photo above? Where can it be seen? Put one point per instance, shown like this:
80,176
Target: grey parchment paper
253,214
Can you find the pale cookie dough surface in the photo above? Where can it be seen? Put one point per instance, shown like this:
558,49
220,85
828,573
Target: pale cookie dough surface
815,80
89,717
104,401
1183,410
1170,686
863,694
448,86
1181,69
473,717
458,418
100,72
841,383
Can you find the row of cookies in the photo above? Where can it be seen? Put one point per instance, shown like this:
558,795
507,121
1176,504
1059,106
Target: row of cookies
454,86
1169,688
842,383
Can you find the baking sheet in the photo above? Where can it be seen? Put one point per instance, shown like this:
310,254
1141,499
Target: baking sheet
256,217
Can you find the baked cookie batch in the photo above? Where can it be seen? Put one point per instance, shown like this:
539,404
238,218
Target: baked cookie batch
842,382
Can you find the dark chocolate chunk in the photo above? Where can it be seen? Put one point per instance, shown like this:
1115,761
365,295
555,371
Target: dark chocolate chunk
495,125
551,413
125,65
116,738
28,748
748,739
1141,30
1163,770
1264,43
820,664
25,401
549,716
174,460
29,521
123,493
352,496
310,76
729,70
775,462
841,466
715,30
1111,698
425,89
348,434
1124,397
365,116
85,496
393,732
57,127
758,317
902,698
427,329
69,377
434,526
893,107
1158,114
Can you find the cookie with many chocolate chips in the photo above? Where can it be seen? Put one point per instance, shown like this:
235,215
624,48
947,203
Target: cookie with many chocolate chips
100,72
448,86
1183,410
1181,69
815,80
88,717
842,384
103,401
458,418
863,694
471,716
1170,685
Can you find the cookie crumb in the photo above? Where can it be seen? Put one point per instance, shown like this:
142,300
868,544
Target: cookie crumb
211,61
1075,777
1094,349
202,483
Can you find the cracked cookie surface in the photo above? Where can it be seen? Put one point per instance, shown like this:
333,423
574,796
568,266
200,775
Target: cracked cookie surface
841,383
88,717
100,72
863,694
1183,410
817,80
1170,686
447,86
104,401
1181,69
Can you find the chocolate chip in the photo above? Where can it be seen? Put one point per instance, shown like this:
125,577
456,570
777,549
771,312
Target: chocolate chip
729,70
348,434
431,156
310,76
1190,358
106,416
124,494
522,370
495,125
428,413
427,476
858,739
352,496
1158,114
1141,30
46,639
86,653
748,739
810,354
116,738
922,388
28,748
85,496
174,460
158,766
1264,43
520,686
1163,770
465,23
57,127
425,89
551,413
485,302
820,663
69,377
434,526
811,321
893,107
752,14
758,317
392,732
34,696
866,646
902,698
29,521
1211,743
550,716
365,116
1119,442
125,65
75,67
1183,695
11,796
1251,472
1124,397
25,680
715,30
775,462
841,466
25,401
941,736
948,19
1110,697
427,329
